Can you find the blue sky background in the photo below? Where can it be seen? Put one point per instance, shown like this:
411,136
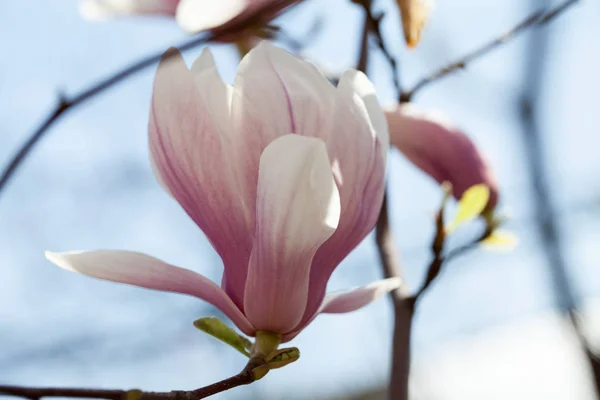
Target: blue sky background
89,185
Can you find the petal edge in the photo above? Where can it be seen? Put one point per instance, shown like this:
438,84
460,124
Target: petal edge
141,270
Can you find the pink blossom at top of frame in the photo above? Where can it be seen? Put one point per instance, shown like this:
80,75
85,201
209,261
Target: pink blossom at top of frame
191,15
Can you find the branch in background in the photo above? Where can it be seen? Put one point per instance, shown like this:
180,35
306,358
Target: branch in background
435,267
536,19
403,307
374,22
68,103
363,55
545,221
248,375
388,254
297,44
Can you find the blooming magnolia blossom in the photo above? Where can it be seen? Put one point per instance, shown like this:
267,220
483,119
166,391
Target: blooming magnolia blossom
191,15
440,149
282,171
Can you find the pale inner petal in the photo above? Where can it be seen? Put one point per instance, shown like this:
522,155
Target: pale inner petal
298,208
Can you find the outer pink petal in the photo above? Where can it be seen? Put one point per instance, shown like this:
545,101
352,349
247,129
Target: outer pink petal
275,94
358,149
440,149
101,9
142,270
350,300
190,143
298,208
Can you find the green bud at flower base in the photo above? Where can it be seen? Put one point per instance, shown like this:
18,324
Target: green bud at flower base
283,357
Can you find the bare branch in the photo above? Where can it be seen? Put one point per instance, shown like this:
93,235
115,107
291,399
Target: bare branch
545,221
245,377
374,22
363,54
536,19
69,103
388,255
403,307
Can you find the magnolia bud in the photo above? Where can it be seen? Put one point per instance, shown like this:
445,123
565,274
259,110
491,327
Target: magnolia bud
414,14
440,149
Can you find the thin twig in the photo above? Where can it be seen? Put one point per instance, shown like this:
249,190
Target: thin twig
243,378
297,44
69,103
536,19
363,55
437,247
374,22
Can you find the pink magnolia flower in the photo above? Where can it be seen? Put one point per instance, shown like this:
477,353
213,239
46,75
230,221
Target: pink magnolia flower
440,149
191,15
282,171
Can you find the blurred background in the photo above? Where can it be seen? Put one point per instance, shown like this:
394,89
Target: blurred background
491,327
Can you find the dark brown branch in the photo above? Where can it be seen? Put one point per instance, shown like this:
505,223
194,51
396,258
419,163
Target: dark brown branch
435,267
297,44
374,22
390,260
403,307
243,378
69,103
363,54
536,19
388,255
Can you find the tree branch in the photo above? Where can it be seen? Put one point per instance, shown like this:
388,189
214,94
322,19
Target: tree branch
403,307
374,22
245,377
388,255
546,224
435,267
363,54
68,103
536,19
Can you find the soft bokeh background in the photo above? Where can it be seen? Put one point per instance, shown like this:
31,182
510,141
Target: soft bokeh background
488,328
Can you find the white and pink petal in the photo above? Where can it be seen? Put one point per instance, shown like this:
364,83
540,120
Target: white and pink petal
357,148
141,270
195,16
298,208
275,94
190,147
351,300
348,301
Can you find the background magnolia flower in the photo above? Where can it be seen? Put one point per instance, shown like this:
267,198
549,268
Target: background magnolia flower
440,149
282,171
191,15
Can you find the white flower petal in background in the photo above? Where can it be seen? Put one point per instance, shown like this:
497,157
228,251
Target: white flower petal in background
103,9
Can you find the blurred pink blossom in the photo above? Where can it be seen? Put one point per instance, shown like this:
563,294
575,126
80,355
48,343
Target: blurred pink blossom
282,171
191,15
440,149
